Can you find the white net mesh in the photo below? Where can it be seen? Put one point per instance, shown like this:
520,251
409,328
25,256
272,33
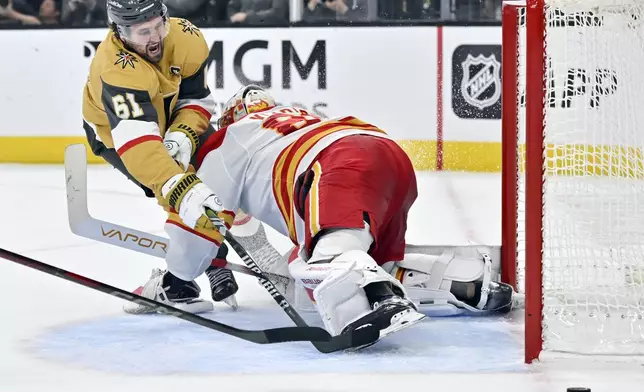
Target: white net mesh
593,212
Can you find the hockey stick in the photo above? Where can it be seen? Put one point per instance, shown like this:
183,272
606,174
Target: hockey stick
83,224
283,303
267,336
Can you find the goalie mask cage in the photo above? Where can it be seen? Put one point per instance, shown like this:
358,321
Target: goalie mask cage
573,173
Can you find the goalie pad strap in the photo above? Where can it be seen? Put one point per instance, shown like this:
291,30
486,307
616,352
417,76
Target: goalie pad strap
430,277
487,276
438,270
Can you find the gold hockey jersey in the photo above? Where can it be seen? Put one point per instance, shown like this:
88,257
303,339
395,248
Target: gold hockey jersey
129,103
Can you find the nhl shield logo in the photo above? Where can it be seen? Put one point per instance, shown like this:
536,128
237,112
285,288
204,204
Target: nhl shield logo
481,83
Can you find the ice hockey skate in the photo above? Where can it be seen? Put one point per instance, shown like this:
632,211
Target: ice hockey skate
223,285
391,313
170,290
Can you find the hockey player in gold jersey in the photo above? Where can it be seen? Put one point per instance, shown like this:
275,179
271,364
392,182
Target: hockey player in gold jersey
146,105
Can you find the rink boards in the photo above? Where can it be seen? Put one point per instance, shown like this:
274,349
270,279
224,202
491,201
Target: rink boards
402,79
435,89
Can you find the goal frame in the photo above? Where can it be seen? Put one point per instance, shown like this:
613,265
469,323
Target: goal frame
535,85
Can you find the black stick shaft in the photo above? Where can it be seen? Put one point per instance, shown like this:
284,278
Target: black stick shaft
265,281
268,336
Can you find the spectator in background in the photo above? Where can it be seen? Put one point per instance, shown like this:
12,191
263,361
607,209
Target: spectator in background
183,8
10,15
402,9
218,11
197,11
32,12
477,9
350,10
258,11
492,9
48,12
431,9
84,13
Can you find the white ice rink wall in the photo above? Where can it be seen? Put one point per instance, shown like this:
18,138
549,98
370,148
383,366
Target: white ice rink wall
435,89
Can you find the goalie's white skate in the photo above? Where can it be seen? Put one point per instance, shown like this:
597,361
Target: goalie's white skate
184,297
390,315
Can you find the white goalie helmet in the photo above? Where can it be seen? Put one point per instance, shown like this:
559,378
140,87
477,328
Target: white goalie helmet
249,99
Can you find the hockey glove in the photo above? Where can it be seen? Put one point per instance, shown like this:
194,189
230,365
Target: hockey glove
186,194
181,141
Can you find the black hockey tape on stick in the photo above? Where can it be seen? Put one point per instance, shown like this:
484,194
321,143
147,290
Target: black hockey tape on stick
266,336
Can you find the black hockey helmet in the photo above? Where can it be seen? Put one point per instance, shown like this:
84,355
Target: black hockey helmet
126,13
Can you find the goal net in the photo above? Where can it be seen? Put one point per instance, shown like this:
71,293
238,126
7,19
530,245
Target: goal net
573,172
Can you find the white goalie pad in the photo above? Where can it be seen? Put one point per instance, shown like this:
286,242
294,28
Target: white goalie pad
337,242
473,250
428,278
427,271
338,286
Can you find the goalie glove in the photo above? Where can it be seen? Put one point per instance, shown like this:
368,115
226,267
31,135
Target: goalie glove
181,141
192,199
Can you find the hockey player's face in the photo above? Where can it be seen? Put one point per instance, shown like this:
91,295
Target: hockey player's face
147,39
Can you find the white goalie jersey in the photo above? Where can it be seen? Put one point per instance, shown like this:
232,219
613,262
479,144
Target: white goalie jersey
253,164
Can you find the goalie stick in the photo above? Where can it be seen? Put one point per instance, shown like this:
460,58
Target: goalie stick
266,336
83,224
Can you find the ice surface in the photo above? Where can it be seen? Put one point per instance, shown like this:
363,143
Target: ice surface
57,336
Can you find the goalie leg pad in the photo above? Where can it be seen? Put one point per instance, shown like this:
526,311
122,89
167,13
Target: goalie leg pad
340,299
436,278
336,242
338,286
311,269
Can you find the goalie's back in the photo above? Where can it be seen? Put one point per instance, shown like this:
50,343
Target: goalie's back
254,162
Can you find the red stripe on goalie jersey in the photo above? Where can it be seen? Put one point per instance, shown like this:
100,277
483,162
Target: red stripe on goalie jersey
287,162
212,143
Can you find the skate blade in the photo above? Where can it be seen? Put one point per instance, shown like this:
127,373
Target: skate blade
400,321
232,302
194,306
